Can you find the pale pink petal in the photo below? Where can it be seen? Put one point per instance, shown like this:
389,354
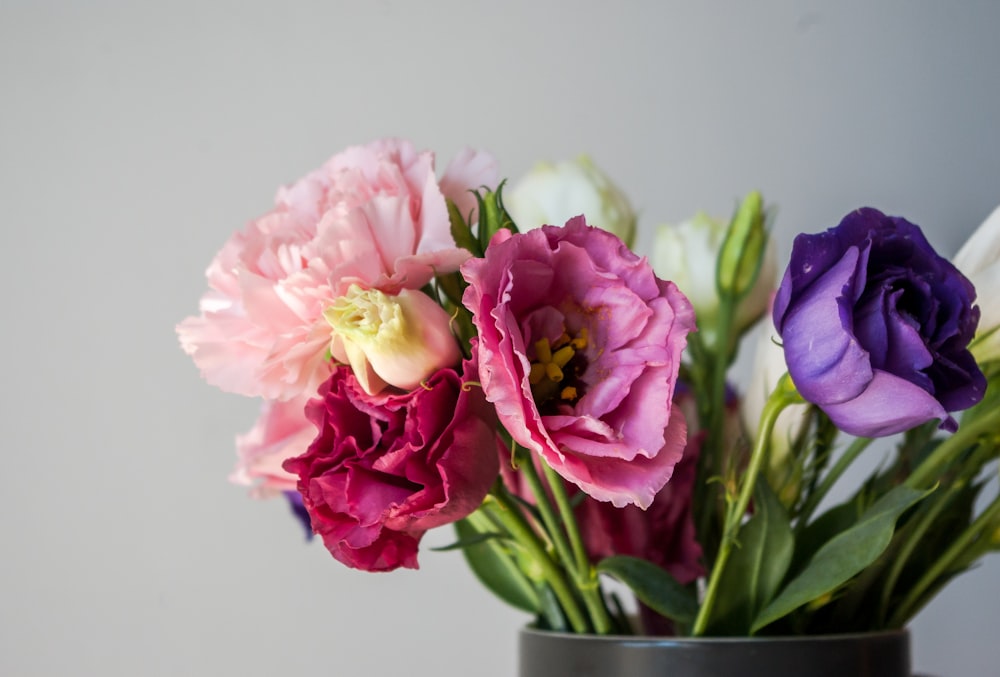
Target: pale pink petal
469,170
281,432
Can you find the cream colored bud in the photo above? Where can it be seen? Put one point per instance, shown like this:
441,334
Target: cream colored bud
391,340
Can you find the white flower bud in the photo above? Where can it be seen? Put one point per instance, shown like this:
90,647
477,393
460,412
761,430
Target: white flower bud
551,194
979,260
686,255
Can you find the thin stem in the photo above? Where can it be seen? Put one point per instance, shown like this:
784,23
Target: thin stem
912,602
549,517
784,394
586,576
927,519
838,469
508,514
928,471
712,415
484,523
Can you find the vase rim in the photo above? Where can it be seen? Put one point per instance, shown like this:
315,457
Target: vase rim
832,637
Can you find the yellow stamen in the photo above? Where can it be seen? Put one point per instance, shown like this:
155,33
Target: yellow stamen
563,356
543,352
553,371
568,393
536,374
580,342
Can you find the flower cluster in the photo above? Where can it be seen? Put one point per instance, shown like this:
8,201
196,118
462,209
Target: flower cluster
426,357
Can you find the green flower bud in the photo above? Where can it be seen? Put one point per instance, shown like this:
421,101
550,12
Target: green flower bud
742,250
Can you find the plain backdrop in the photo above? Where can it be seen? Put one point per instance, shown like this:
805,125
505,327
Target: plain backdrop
135,137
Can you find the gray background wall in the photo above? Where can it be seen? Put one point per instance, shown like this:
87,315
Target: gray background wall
134,138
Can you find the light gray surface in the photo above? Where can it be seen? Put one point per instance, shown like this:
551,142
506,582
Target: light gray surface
133,140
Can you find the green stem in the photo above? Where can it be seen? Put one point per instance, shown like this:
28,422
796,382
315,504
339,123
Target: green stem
549,517
928,471
927,519
900,558
838,469
712,415
912,602
784,394
586,575
514,522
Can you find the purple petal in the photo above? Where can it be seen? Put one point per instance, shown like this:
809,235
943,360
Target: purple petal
887,406
824,358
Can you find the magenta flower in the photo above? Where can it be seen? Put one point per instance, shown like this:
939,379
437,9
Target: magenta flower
385,468
580,346
663,534
373,216
875,326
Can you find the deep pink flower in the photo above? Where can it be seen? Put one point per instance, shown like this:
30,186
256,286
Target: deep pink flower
373,215
386,468
664,534
575,304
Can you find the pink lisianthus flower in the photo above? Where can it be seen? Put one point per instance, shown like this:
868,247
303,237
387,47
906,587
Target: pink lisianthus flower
580,347
281,431
386,468
374,216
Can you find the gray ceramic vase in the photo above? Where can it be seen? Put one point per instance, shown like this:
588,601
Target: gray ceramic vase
551,654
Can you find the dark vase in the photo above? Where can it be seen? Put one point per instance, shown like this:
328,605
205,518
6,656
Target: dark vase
877,654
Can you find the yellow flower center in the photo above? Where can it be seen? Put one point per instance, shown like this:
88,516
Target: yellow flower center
547,370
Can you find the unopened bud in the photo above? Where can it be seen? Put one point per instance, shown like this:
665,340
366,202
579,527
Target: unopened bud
743,249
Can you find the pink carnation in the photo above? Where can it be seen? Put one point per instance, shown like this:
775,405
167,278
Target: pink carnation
281,431
580,347
373,215
386,468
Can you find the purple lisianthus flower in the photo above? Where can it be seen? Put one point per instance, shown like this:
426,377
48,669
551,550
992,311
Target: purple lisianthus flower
875,326
579,351
298,509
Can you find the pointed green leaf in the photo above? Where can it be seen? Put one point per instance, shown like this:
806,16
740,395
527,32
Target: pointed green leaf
461,232
492,216
653,586
821,530
756,568
467,542
496,568
843,556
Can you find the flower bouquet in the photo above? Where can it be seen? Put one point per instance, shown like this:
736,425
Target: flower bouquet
429,353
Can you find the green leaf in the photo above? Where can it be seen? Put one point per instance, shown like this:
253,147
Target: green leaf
653,586
756,568
453,285
495,567
492,216
461,232
551,616
821,530
843,556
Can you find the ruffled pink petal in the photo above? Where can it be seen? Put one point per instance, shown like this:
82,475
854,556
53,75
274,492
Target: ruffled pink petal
469,170
281,432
